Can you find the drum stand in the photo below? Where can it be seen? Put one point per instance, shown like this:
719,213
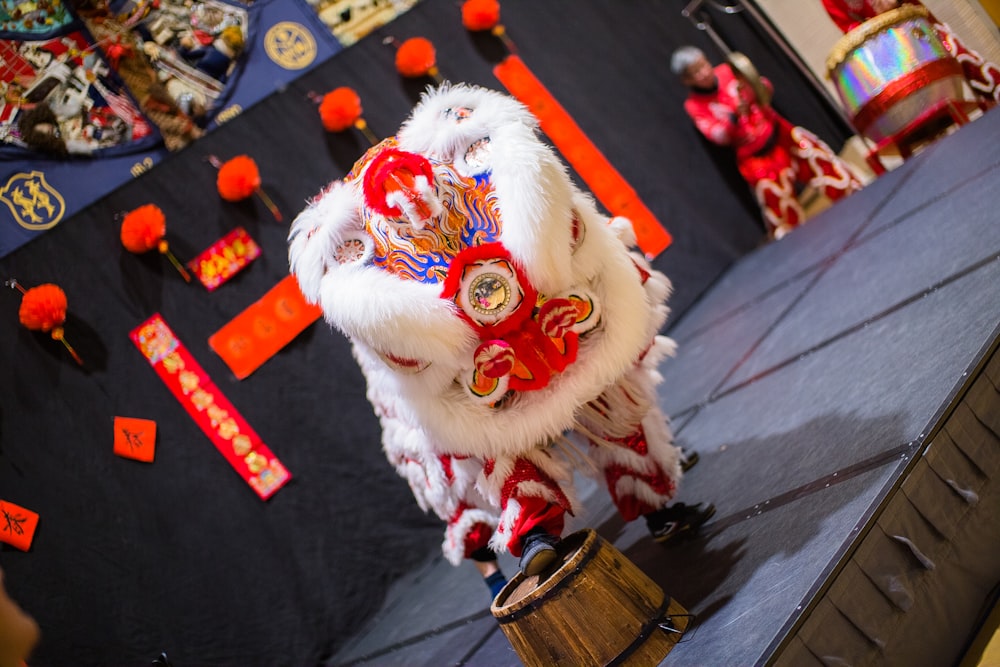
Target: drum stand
921,130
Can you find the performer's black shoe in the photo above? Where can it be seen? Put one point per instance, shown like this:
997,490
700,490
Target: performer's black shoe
538,553
678,519
688,459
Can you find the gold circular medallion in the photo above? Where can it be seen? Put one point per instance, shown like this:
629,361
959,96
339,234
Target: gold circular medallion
489,293
290,45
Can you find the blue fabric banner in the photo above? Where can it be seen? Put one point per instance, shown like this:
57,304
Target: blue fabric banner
94,97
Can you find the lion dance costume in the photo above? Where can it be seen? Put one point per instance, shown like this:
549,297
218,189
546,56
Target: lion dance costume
498,318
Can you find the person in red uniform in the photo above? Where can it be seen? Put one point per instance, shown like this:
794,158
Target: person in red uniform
983,76
776,158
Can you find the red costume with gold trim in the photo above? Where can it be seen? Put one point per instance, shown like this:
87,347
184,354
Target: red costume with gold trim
775,157
982,75
503,324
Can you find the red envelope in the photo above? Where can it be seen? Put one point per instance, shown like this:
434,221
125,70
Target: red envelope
17,525
135,438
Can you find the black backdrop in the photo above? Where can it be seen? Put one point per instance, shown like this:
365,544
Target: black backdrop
131,559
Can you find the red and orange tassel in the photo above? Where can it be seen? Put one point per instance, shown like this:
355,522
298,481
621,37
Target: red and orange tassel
239,178
416,57
145,228
484,15
43,308
340,109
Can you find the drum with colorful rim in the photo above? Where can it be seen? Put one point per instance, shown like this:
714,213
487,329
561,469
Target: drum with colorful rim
891,69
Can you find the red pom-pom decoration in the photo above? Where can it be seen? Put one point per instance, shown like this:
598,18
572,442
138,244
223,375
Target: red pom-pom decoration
479,15
143,228
416,57
43,308
340,109
238,178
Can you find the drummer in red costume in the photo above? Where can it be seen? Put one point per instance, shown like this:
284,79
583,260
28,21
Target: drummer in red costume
775,157
983,76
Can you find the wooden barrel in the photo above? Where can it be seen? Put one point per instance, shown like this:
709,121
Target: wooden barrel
597,608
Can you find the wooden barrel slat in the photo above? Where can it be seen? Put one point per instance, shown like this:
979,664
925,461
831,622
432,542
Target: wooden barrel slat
597,608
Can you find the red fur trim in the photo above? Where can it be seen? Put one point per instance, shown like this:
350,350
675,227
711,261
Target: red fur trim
643,273
629,506
535,513
393,169
470,255
481,253
494,358
449,474
526,471
477,538
539,356
556,317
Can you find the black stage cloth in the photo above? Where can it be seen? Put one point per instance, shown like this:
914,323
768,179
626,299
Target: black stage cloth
180,555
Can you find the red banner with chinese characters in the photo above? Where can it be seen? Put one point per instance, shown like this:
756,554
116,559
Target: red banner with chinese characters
604,181
203,400
225,258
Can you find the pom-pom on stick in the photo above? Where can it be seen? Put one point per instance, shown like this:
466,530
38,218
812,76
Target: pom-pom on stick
340,109
239,178
144,229
415,58
483,15
43,308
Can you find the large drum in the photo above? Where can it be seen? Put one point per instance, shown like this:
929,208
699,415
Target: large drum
891,69
597,608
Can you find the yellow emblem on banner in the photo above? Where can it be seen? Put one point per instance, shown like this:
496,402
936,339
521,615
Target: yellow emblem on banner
290,45
35,204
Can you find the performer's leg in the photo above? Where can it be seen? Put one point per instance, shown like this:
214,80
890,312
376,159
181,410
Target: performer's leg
486,563
779,203
442,483
772,178
446,485
819,166
632,445
534,494
982,75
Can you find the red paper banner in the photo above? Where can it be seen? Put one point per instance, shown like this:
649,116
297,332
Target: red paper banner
216,416
604,181
260,331
225,258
